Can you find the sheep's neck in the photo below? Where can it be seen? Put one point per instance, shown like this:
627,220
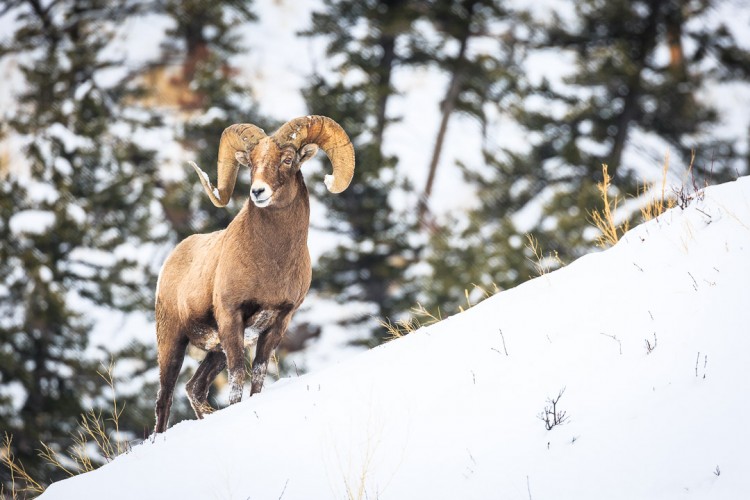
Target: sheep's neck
279,231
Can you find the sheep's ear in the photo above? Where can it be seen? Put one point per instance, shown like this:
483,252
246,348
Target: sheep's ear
241,157
306,152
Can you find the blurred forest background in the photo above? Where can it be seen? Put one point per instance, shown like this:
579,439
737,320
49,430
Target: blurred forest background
103,102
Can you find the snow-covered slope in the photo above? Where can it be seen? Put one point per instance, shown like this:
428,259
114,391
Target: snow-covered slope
452,411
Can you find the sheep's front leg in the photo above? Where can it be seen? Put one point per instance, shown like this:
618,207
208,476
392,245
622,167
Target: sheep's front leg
267,342
230,336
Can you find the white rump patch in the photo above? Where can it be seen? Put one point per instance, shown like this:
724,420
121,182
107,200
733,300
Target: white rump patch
251,337
212,340
262,320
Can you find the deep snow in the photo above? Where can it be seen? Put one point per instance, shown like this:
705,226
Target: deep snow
451,411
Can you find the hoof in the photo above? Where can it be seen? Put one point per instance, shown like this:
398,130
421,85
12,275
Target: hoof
202,409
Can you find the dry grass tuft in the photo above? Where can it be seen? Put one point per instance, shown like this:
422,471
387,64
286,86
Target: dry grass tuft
485,295
94,442
542,263
604,220
419,317
686,194
93,434
22,484
659,204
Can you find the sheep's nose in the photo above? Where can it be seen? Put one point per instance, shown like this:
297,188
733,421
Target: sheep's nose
258,191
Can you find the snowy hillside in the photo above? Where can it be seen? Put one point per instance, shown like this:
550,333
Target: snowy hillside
655,392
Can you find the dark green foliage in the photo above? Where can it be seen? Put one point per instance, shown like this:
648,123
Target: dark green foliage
206,26
627,85
375,38
369,265
42,337
622,84
477,77
479,80
73,225
203,41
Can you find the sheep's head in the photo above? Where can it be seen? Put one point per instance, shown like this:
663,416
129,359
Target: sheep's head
272,170
274,160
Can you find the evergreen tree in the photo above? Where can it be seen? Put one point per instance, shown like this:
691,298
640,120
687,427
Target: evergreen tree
628,86
622,83
371,262
76,219
203,42
480,45
478,77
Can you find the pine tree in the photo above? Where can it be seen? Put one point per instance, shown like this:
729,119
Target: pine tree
622,85
203,42
479,45
630,87
77,218
478,77
369,266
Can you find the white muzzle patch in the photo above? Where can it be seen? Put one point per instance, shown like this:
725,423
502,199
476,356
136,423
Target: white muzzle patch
261,194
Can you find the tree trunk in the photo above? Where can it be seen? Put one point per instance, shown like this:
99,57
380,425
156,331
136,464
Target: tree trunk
630,106
449,104
447,108
674,20
387,44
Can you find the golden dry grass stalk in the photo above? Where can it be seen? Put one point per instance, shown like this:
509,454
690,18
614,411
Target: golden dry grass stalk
604,220
657,205
20,480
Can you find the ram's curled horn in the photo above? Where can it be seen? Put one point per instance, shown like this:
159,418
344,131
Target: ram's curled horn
328,136
237,137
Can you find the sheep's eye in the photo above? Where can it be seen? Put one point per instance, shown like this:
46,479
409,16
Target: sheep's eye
287,161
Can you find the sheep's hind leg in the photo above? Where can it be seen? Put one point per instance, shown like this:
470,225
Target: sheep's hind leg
197,387
170,361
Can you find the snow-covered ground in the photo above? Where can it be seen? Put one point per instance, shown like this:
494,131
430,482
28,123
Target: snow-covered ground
647,343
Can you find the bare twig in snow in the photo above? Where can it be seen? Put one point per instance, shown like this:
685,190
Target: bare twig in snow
528,487
613,337
284,489
503,339
695,283
552,415
697,362
649,346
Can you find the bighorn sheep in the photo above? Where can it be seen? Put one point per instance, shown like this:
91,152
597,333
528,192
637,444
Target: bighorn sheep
255,273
